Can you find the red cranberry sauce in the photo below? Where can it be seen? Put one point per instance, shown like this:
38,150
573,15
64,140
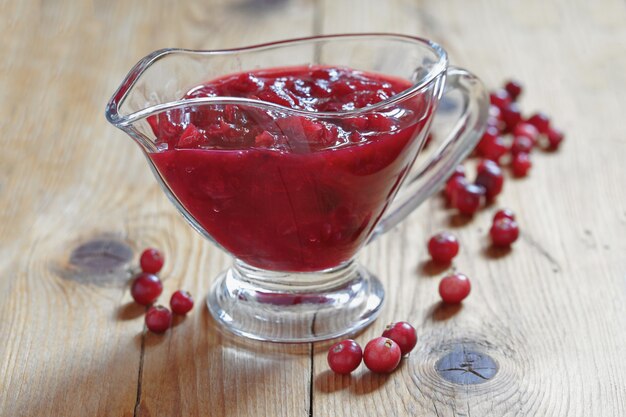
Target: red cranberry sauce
287,191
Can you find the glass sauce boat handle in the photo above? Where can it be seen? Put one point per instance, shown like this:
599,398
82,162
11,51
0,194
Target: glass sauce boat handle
424,181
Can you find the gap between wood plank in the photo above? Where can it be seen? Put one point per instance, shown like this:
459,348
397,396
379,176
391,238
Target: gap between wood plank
140,374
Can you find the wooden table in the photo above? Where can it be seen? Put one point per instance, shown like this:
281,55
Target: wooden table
77,203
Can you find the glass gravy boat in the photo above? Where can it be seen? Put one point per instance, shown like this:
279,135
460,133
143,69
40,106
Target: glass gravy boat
293,212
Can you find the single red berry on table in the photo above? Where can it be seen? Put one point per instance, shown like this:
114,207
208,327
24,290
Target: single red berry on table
555,137
527,130
453,185
489,175
151,261
469,198
158,319
345,356
514,88
403,334
443,247
146,288
504,232
504,214
181,302
521,144
382,355
511,115
454,288
492,146
500,98
541,121
521,164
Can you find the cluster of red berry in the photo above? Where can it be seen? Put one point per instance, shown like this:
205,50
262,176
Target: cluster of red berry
147,287
381,355
509,138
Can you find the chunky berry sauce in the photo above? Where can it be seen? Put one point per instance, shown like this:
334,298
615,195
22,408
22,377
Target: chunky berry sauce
288,191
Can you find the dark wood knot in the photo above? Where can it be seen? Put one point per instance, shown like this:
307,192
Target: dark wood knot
101,256
466,367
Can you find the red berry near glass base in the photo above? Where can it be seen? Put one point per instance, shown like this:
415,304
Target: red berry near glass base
492,146
181,302
382,355
469,198
453,185
443,247
490,177
504,232
512,115
541,121
454,288
146,288
504,214
555,137
403,334
158,319
500,98
514,88
344,357
521,164
526,130
521,144
151,261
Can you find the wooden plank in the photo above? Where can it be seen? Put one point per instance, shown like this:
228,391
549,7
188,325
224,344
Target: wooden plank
551,312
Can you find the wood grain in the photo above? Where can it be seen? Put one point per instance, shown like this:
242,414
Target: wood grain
550,313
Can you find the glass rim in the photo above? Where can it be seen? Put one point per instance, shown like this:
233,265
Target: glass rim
120,95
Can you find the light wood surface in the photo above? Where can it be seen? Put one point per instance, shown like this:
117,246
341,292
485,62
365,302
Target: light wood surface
550,313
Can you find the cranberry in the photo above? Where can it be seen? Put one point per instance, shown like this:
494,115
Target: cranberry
492,147
521,144
500,98
504,232
181,302
527,130
469,198
490,177
521,164
504,214
158,319
403,334
382,355
514,88
541,121
454,288
151,261
345,356
511,115
443,247
555,137
453,185
146,288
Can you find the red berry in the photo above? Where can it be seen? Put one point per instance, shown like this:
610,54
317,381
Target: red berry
500,98
454,288
492,146
403,334
504,232
504,214
345,356
527,130
511,115
151,261
541,121
469,198
495,118
555,137
146,288
521,164
443,247
521,144
382,355
181,302
158,319
514,88
453,185
490,177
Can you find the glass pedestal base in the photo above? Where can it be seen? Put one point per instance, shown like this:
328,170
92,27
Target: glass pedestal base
295,307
